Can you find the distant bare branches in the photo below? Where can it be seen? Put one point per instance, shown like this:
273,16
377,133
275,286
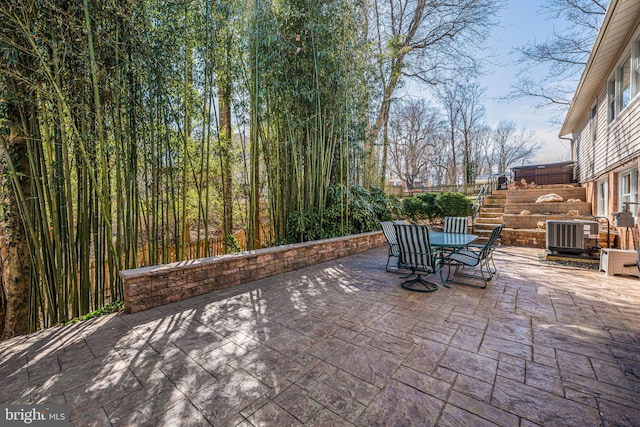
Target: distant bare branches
564,52
415,134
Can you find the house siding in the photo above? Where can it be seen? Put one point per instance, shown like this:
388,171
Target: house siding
616,143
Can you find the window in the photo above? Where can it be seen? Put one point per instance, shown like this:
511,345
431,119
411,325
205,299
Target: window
594,123
635,68
603,198
624,84
624,79
611,99
628,190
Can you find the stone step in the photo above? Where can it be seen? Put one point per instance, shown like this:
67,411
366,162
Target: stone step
531,221
583,208
556,186
483,227
491,210
490,214
520,196
491,220
489,217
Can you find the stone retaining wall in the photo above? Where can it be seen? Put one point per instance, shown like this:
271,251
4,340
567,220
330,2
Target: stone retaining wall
524,238
149,287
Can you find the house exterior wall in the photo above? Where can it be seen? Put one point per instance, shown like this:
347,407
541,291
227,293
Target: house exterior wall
616,147
616,144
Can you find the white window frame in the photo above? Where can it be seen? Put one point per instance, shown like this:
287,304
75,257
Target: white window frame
635,68
620,96
602,197
628,190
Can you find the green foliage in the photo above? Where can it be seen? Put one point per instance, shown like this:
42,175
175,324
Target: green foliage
432,204
414,208
312,103
114,307
395,205
454,204
348,211
231,244
435,206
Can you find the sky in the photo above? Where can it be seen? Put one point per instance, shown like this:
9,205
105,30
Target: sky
520,23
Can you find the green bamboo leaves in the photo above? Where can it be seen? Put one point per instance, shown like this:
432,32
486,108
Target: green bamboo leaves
128,142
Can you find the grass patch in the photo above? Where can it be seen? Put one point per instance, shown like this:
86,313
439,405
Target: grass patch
114,307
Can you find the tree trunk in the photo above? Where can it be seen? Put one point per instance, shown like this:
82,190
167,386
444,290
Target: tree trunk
385,152
16,271
254,191
381,123
226,147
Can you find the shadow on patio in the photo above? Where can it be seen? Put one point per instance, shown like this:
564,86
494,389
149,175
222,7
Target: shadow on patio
340,343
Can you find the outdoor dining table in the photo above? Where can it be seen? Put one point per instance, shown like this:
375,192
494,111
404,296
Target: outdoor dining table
441,239
444,240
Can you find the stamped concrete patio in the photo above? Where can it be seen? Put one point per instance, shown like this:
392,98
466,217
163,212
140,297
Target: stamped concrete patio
340,343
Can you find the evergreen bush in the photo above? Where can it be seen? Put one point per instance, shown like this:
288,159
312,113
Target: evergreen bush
435,206
349,211
454,204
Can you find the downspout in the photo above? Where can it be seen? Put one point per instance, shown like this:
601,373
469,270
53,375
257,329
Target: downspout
573,156
566,138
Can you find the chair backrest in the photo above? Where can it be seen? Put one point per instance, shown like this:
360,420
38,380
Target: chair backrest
390,234
455,224
495,234
415,247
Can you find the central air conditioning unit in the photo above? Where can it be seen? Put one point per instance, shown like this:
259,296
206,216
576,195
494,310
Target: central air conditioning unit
571,236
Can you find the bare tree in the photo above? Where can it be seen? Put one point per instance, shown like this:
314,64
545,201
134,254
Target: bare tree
511,148
564,52
472,113
481,150
423,40
462,104
415,131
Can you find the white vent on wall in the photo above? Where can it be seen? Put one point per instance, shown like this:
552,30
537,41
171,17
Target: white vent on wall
569,236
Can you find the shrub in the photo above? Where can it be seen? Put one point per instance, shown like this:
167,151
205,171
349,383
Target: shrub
414,208
435,206
348,211
454,204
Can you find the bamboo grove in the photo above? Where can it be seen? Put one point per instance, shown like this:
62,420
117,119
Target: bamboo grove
118,148
141,132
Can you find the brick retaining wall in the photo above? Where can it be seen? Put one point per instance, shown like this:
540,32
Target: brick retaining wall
149,287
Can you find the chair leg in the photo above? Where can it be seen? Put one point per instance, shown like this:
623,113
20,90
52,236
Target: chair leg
419,284
442,279
486,280
495,269
484,276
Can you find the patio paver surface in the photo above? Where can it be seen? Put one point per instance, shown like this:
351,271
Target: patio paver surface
340,343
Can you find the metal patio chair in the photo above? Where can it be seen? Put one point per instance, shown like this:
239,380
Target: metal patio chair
482,258
417,255
456,224
389,232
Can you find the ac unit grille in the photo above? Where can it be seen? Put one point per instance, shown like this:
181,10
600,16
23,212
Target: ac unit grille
569,236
